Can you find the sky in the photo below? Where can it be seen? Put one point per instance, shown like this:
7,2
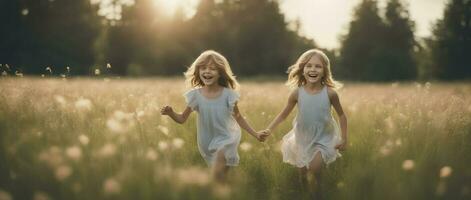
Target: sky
326,20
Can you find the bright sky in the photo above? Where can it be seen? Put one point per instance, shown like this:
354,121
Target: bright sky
326,20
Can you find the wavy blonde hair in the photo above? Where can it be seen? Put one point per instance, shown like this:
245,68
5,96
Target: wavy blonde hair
295,72
226,79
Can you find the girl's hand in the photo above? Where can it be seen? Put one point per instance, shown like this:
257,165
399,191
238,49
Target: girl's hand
342,146
262,135
166,110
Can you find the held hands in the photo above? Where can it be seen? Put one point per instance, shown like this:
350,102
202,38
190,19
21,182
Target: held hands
262,135
342,146
166,110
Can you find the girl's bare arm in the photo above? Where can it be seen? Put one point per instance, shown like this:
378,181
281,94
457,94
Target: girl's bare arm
179,118
292,100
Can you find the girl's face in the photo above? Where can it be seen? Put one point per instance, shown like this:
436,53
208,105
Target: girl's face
209,74
313,70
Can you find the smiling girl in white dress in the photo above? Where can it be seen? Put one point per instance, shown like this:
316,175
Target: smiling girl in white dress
314,139
214,99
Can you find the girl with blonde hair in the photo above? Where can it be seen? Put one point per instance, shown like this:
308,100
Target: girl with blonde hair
314,140
214,98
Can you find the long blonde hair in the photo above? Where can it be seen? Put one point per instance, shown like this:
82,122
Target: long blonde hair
295,72
226,79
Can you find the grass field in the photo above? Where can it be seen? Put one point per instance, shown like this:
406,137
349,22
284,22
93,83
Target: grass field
105,139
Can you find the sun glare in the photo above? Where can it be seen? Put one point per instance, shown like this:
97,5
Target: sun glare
169,7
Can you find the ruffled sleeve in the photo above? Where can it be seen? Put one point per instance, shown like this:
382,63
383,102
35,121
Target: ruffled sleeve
191,99
233,97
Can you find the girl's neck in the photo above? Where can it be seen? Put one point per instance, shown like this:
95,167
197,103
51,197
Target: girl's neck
314,86
212,88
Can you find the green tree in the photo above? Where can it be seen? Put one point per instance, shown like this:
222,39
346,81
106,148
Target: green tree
399,62
361,49
452,42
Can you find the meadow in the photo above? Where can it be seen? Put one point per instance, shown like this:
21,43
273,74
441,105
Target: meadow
105,139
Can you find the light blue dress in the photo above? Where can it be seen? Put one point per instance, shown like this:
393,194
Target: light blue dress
217,129
314,131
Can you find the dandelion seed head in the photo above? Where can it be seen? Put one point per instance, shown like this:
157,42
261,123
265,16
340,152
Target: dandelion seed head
408,165
84,140
60,99
445,171
83,104
62,172
108,150
38,195
245,146
178,143
193,176
74,153
163,129
151,154
24,12
163,145
111,186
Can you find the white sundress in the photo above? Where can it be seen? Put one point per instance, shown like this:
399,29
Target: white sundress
314,130
216,127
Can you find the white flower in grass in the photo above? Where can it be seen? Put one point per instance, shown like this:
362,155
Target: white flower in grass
115,126
4,195
151,154
41,196
74,153
111,186
245,146
60,100
83,104
163,145
385,150
193,176
163,129
84,139
108,150
408,165
445,171
62,172
178,143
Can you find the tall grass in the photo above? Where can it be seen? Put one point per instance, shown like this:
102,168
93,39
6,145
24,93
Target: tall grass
95,139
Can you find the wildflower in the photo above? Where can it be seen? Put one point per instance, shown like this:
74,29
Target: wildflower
60,99
19,74
111,186
74,153
24,12
83,104
151,154
49,70
162,145
193,176
62,172
97,72
245,146
41,196
178,143
163,129
83,139
408,165
108,150
445,171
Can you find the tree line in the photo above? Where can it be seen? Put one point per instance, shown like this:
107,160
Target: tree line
136,38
